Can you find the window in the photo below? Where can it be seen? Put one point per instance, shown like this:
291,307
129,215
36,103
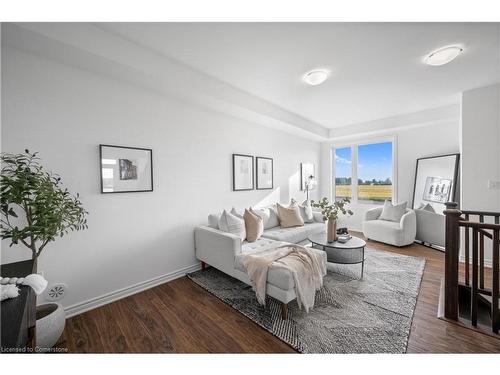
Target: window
343,173
375,172
364,172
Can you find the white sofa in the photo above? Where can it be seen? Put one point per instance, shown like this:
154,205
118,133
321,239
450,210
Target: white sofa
225,252
400,233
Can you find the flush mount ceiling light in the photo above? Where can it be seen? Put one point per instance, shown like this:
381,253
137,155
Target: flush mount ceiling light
443,55
315,77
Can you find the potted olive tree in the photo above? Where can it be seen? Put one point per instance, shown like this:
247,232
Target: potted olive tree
35,210
330,212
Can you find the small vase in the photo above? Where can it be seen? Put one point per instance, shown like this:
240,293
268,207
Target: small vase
331,230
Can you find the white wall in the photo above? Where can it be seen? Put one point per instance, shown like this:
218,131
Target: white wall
480,148
64,113
427,139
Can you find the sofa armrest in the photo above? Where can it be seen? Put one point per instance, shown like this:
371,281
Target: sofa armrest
373,214
216,248
408,219
408,224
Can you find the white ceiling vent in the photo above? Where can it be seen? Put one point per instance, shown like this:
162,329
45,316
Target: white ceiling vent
56,292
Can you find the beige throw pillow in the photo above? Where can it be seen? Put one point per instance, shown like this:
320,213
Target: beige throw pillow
290,216
254,226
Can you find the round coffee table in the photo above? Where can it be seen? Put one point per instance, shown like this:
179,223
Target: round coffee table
351,252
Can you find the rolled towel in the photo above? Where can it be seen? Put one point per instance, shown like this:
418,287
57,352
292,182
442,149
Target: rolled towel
37,282
8,291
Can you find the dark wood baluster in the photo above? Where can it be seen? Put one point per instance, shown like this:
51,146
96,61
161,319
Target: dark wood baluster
474,276
481,256
467,251
495,292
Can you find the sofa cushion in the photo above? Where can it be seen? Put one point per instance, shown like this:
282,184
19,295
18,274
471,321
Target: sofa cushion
382,230
295,234
318,217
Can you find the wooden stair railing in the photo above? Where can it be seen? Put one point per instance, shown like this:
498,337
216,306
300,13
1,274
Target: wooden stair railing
474,259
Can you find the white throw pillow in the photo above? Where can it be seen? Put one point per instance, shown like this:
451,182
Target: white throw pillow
427,207
236,213
232,224
268,215
306,211
392,212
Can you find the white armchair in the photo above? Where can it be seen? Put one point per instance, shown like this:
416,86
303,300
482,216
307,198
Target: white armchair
400,233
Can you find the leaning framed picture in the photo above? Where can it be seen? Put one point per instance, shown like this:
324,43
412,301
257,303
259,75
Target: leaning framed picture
125,169
436,181
242,172
264,167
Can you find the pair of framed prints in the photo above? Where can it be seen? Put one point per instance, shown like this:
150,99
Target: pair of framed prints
243,172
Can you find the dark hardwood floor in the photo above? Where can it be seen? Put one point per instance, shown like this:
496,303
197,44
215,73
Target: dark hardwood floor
181,317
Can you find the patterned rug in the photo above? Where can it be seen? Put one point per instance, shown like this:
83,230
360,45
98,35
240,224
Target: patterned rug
372,315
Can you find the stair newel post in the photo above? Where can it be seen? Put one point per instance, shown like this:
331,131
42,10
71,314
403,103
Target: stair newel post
452,245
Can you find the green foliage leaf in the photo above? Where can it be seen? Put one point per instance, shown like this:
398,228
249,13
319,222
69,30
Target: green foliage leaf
331,211
34,197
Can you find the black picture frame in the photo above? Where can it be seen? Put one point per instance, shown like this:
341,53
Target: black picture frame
251,164
150,151
453,193
257,158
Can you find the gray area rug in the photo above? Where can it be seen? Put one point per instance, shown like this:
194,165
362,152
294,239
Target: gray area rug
372,315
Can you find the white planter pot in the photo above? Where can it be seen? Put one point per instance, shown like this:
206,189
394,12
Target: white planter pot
50,321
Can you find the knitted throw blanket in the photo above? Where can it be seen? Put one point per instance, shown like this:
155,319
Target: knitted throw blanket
305,265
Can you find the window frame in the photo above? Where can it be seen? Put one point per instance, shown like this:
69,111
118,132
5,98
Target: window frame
354,167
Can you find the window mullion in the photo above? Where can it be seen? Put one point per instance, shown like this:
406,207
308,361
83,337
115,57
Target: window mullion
354,173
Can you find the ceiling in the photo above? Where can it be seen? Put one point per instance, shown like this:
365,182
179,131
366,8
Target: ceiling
376,68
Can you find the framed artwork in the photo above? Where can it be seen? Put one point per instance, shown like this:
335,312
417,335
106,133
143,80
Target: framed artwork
437,189
264,168
436,181
306,171
242,172
125,169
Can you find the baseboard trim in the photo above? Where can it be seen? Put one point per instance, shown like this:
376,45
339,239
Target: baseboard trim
128,291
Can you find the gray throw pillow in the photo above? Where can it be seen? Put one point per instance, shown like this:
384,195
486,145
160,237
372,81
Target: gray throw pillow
213,221
392,212
232,224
